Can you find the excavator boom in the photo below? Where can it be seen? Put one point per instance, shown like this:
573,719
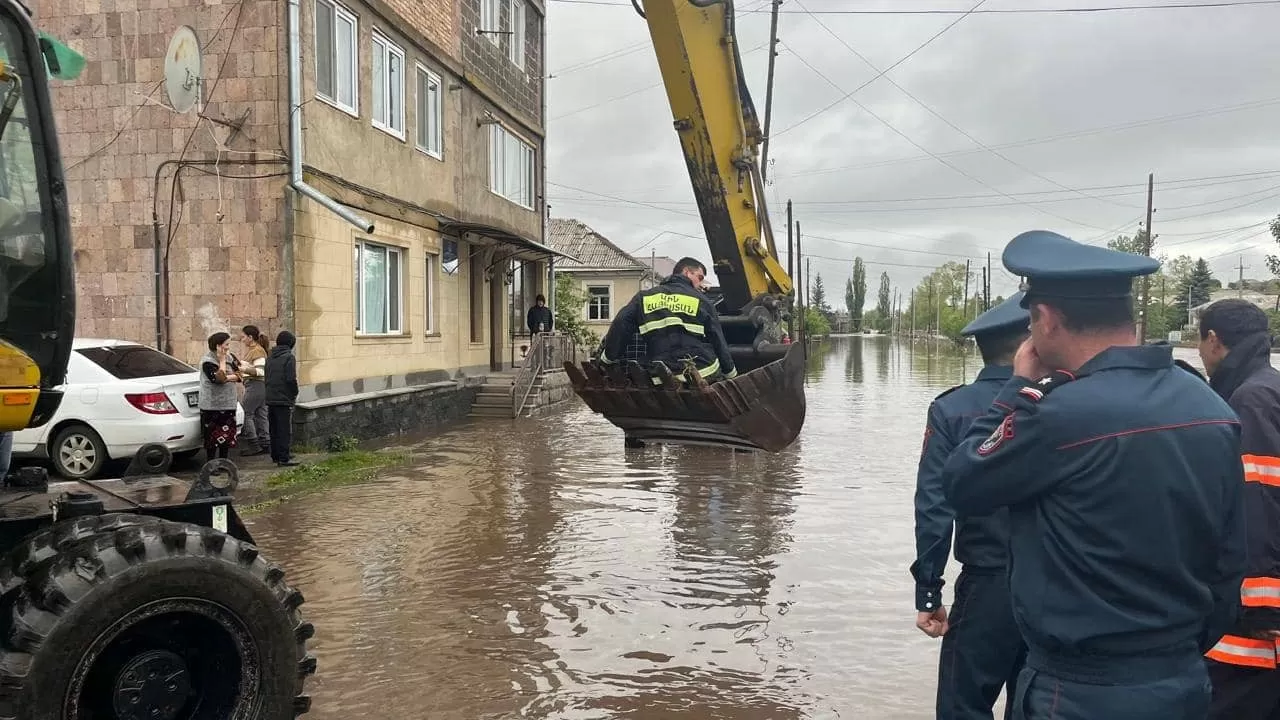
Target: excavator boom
720,136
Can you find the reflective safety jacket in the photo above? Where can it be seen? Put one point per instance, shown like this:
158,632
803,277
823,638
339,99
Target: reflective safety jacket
677,323
1252,388
1126,533
981,542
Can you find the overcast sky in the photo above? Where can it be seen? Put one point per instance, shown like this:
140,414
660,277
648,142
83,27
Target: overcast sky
1036,121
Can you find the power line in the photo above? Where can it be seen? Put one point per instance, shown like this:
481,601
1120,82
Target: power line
902,60
994,11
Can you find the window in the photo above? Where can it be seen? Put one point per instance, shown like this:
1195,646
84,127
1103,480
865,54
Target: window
430,114
510,166
598,297
131,362
336,66
449,263
489,17
515,50
388,86
429,293
379,283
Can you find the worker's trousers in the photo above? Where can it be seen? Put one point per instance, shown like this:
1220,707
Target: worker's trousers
982,651
1244,693
1115,693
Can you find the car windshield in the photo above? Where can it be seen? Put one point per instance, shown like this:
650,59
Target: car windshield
130,362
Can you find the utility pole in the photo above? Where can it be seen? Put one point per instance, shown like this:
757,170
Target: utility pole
768,92
986,292
1143,300
913,312
1240,283
791,273
964,312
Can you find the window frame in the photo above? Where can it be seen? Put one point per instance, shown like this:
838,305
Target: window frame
340,12
587,287
419,71
358,292
517,38
491,25
389,50
429,299
499,162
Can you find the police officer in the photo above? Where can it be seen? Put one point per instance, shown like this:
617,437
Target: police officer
677,323
1121,474
1235,346
981,648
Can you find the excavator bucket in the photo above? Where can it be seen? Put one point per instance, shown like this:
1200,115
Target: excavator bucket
762,409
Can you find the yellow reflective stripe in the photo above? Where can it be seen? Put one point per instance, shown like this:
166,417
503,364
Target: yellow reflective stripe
604,359
731,374
674,302
667,322
705,372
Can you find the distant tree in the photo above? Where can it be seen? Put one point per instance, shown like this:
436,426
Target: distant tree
570,300
818,295
884,312
1273,261
816,323
1194,291
859,294
848,296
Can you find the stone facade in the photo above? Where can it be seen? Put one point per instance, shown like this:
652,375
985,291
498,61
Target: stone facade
117,132
383,414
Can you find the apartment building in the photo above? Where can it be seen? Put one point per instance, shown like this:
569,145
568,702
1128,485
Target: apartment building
419,134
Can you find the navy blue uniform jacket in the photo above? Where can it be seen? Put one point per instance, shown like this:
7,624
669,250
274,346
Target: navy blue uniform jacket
677,322
1125,496
981,542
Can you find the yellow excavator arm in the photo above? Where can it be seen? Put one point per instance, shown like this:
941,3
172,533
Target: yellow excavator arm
720,136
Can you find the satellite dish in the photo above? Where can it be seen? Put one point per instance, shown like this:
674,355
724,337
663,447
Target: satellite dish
183,66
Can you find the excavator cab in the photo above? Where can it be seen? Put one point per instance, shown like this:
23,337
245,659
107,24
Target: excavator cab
37,277
763,408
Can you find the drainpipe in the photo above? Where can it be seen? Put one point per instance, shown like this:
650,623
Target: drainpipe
295,126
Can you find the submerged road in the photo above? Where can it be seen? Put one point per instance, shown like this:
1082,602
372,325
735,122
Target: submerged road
533,569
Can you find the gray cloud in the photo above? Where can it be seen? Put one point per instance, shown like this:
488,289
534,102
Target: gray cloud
1050,92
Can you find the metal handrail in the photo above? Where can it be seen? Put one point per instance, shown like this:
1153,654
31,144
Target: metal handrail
547,351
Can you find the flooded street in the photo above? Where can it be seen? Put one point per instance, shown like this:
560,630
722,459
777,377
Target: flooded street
533,569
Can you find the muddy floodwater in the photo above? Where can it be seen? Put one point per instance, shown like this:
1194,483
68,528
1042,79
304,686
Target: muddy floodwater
533,569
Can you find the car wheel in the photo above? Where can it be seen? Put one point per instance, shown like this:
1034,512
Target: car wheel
78,452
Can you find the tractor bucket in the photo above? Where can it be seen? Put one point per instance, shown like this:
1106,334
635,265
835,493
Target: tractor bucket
762,409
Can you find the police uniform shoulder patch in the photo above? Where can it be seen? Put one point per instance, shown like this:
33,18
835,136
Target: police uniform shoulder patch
998,437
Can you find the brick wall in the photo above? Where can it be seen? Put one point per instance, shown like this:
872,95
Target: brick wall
520,89
437,20
224,257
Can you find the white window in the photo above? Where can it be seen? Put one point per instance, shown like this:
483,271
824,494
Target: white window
490,14
388,86
598,302
429,288
510,166
337,71
379,293
515,50
430,114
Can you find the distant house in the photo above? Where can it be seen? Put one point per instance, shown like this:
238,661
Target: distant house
606,274
660,268
1266,302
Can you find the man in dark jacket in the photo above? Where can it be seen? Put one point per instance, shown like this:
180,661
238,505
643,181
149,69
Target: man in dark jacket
282,393
677,323
539,318
982,651
1120,471
1235,345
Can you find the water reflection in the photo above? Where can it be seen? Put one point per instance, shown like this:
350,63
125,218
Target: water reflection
532,568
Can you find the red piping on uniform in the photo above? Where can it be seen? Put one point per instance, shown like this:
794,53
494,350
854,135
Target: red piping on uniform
1000,404
1068,373
1156,428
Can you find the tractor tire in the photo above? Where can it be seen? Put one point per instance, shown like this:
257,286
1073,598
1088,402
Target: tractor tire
131,617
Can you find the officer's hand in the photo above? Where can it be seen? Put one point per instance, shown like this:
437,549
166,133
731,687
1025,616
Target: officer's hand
1027,363
933,624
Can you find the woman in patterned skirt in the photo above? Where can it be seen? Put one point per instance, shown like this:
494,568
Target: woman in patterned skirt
219,375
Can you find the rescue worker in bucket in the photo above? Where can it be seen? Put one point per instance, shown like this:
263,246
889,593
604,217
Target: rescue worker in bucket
1121,472
677,323
1235,346
982,651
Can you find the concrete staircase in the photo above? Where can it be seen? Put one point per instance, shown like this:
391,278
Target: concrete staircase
494,398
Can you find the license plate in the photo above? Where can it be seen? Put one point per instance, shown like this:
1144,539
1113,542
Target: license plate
193,399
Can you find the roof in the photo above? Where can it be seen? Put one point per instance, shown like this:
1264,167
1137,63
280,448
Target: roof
661,265
588,249
518,248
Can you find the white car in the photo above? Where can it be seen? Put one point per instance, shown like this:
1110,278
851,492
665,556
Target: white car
118,396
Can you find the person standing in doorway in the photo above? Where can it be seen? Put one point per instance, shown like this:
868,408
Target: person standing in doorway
1121,473
219,380
1235,346
281,396
256,434
539,318
982,650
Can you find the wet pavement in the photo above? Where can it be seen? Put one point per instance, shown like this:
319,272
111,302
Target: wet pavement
533,569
